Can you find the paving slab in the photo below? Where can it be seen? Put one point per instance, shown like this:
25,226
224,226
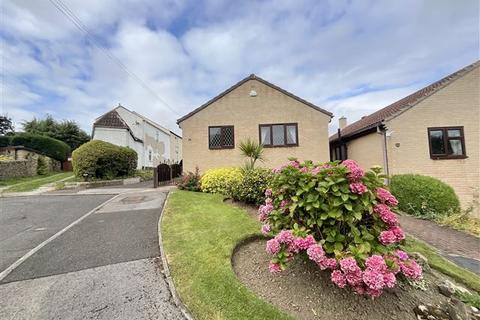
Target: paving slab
129,290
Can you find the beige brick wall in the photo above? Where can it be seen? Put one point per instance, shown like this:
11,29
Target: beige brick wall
367,151
245,113
458,104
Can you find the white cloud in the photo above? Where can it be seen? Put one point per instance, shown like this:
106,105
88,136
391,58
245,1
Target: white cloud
368,52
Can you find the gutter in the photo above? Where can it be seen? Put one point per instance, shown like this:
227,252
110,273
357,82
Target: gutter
385,152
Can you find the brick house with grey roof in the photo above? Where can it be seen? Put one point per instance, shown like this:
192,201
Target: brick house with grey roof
433,131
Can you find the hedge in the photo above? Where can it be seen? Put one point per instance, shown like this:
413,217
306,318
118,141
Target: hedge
103,160
424,196
47,146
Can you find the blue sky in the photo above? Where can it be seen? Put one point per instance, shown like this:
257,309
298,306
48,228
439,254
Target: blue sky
349,57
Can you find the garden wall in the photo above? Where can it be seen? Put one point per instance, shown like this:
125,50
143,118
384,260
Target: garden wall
18,168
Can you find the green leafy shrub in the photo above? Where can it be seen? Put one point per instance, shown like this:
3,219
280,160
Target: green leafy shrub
47,146
251,187
219,180
190,181
424,196
42,167
144,174
103,160
340,217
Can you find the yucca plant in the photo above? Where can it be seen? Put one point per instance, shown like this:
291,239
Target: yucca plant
253,151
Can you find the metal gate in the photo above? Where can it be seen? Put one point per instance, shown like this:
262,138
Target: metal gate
165,173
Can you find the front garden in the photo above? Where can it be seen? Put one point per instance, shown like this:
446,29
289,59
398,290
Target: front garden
332,239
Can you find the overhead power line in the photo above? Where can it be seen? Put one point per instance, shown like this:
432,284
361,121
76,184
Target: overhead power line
65,10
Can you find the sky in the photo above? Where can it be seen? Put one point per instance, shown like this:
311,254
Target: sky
77,59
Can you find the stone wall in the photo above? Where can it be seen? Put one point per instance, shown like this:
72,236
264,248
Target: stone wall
25,164
18,168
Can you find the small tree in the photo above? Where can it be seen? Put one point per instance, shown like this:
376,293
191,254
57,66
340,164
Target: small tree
6,126
253,151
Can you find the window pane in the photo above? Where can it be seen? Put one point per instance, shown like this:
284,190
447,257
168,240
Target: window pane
455,147
453,133
215,137
265,136
436,141
291,134
228,136
278,135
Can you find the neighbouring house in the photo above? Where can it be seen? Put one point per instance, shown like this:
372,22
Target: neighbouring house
434,131
285,124
153,143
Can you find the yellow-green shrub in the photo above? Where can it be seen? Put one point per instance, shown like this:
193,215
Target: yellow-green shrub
219,180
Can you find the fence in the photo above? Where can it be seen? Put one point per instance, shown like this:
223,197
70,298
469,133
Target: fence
166,173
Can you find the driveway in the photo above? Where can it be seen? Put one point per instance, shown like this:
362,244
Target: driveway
84,260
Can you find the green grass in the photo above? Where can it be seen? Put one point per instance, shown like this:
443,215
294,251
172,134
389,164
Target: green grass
12,181
199,233
443,265
36,182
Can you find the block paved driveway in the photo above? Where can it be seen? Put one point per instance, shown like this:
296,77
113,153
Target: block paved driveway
105,266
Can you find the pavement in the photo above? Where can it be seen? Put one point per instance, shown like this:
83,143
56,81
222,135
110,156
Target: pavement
457,246
83,256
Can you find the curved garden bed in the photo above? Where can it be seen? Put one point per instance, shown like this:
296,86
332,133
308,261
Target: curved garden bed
308,293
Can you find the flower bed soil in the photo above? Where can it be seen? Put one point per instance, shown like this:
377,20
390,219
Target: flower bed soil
306,292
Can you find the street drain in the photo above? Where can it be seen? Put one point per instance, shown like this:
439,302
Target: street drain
133,199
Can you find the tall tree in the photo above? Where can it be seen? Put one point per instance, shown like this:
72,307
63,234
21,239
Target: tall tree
67,131
6,125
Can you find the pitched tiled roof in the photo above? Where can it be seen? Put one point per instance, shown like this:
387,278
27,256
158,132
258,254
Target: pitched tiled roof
253,77
401,105
113,120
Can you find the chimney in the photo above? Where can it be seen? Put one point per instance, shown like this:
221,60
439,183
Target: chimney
342,122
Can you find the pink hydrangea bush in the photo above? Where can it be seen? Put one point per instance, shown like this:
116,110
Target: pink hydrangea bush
341,218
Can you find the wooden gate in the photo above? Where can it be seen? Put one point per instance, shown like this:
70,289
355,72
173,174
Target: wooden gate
166,173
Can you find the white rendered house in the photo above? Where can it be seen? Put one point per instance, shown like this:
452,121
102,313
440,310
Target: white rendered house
153,143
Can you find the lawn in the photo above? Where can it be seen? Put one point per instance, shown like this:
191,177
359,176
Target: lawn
199,234
31,183
443,265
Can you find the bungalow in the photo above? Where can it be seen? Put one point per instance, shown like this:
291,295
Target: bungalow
434,131
153,143
286,125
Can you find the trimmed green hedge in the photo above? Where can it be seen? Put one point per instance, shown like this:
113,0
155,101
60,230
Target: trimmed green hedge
47,146
103,160
251,188
424,196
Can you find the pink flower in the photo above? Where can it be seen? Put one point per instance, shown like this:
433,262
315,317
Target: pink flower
266,229
315,253
354,278
268,193
411,269
387,237
389,279
386,197
374,293
355,172
294,163
327,263
285,236
338,278
349,265
304,170
303,243
274,267
268,201
358,187
360,290
273,246
402,255
373,279
376,262
398,232
284,203
264,211
316,170
386,214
